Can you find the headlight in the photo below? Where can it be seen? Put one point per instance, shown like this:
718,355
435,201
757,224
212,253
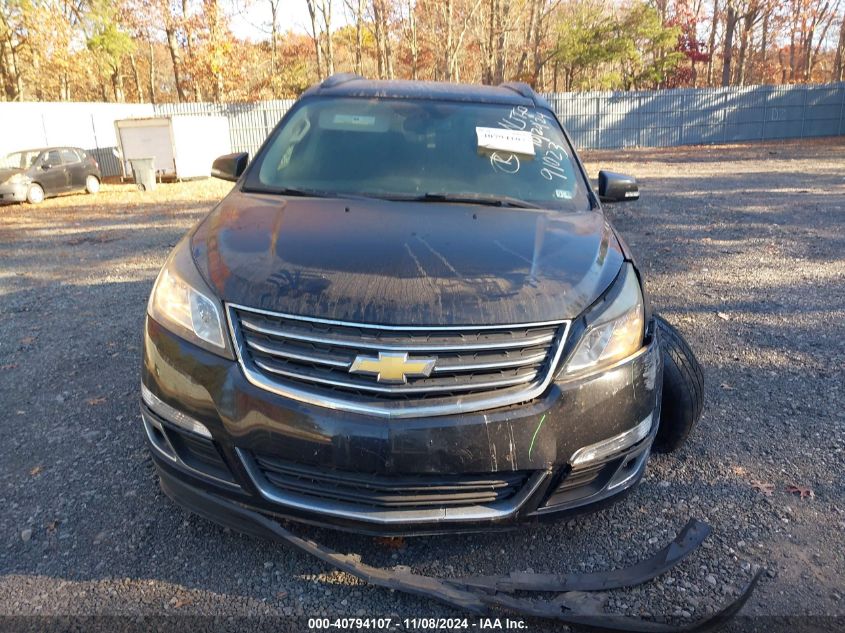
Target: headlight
182,303
614,332
17,179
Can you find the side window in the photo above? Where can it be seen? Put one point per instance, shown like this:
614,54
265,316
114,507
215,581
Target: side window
52,158
69,156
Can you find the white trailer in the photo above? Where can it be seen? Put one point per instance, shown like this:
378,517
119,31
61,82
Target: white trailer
183,146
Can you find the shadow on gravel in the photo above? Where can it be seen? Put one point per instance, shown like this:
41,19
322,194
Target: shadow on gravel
699,220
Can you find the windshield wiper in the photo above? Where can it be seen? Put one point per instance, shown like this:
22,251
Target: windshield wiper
476,198
293,191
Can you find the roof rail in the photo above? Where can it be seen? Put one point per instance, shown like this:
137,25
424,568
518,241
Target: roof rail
521,88
524,90
339,78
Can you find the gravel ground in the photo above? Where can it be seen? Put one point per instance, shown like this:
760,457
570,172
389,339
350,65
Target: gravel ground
742,249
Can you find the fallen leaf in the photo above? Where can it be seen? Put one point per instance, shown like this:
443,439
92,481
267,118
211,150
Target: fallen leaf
739,470
726,387
802,491
36,471
281,595
723,316
52,526
26,340
95,401
390,542
9,366
761,486
178,603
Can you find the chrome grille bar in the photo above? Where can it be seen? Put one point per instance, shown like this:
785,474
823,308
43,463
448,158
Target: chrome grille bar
403,389
475,367
279,350
534,359
362,343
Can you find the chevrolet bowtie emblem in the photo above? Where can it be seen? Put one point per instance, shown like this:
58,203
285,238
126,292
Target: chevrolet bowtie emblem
392,367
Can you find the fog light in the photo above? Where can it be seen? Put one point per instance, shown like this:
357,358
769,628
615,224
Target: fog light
612,445
170,414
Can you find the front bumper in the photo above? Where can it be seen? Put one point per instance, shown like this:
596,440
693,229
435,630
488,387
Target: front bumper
13,193
529,444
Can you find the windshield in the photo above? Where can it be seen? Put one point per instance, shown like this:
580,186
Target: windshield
18,160
408,149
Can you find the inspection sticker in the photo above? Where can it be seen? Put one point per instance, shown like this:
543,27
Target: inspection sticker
513,141
358,120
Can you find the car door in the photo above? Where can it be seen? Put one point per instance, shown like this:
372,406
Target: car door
75,168
52,175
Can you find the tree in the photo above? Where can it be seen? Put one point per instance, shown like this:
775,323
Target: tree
356,8
409,28
215,47
381,18
181,50
586,39
711,41
648,55
109,44
839,62
274,46
731,19
494,29
686,20
320,12
13,41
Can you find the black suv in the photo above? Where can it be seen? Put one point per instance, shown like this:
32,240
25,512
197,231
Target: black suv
35,174
410,315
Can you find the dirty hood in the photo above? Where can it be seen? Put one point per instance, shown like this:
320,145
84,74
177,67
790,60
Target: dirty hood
405,263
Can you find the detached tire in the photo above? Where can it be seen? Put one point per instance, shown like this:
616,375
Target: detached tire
683,389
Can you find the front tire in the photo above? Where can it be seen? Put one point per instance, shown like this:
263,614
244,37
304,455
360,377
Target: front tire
92,184
35,194
683,389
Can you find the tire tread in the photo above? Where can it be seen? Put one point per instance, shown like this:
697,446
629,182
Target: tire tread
683,389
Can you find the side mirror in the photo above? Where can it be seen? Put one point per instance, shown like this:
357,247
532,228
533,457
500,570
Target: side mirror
230,166
617,187
46,166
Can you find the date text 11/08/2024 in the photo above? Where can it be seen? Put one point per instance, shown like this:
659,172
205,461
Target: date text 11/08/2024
448,624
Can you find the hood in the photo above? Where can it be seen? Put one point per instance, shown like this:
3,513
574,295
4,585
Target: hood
405,263
7,173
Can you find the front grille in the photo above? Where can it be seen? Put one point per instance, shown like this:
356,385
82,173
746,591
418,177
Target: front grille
471,362
386,492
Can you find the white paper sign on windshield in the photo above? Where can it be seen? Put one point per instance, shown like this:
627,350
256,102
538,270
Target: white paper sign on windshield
498,140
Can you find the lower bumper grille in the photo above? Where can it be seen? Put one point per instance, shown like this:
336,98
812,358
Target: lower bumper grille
191,451
377,492
200,454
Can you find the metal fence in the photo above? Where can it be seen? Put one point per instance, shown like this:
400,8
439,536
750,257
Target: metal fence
612,120
249,123
606,120
695,116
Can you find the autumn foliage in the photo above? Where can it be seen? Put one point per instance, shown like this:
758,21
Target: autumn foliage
185,50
